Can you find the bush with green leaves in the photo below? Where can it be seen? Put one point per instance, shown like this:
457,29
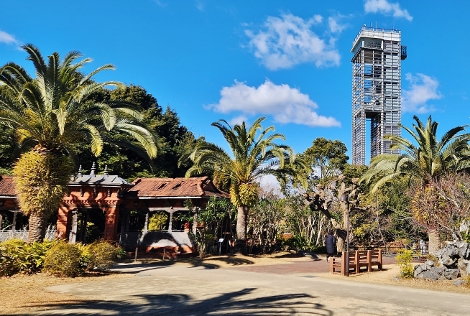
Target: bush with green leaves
158,221
100,255
34,255
208,221
10,256
56,257
64,260
18,256
297,243
404,257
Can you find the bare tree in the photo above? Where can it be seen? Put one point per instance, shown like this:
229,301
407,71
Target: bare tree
444,204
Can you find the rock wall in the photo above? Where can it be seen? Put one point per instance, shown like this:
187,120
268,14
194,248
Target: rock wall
453,262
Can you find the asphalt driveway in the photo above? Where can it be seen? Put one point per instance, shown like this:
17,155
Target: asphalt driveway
188,289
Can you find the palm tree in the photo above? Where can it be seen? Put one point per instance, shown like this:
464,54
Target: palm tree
424,162
52,115
252,156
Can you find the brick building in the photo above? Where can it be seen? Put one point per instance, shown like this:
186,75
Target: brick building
107,206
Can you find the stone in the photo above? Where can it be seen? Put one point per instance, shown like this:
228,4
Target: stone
463,267
418,269
451,274
461,248
453,250
447,260
428,264
459,282
467,270
431,274
453,259
466,256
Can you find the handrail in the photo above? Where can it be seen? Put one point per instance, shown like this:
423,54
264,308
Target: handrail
375,29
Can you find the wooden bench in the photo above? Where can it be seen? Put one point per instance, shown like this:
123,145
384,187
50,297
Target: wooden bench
362,260
374,258
355,261
340,264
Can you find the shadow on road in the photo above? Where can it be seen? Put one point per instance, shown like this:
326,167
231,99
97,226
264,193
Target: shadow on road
234,303
231,260
207,263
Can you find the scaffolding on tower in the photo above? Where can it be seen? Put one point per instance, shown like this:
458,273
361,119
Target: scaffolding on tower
376,90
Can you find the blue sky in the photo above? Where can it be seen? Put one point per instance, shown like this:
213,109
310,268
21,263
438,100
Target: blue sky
238,60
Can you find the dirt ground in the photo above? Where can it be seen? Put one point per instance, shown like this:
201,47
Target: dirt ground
24,294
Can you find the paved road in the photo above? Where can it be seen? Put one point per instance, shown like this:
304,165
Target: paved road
184,289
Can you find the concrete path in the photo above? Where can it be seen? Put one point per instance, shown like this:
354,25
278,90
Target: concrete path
185,289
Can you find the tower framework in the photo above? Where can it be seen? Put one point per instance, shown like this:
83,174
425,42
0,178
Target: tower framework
376,90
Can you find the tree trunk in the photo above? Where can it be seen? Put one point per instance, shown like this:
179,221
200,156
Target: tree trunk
37,228
341,236
241,228
342,230
241,222
340,245
434,241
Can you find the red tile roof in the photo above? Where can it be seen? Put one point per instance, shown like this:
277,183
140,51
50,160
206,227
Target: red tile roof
176,187
7,187
150,187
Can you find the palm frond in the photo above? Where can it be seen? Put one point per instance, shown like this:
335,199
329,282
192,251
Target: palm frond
141,135
96,141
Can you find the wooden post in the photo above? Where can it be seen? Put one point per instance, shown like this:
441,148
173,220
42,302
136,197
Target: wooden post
345,263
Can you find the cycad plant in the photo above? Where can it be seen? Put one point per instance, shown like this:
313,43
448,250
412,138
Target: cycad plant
52,115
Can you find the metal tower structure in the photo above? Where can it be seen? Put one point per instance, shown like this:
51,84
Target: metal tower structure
376,90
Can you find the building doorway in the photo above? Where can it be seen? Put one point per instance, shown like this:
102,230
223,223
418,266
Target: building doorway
90,225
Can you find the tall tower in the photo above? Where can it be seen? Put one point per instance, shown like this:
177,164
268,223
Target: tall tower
376,90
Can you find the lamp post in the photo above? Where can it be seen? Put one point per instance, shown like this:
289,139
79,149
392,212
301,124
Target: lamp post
345,203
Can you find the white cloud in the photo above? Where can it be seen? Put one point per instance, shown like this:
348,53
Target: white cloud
422,89
8,39
335,25
285,104
269,183
289,40
239,120
386,7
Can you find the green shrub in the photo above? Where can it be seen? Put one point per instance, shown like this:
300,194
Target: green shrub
158,221
404,257
297,243
17,256
64,259
10,256
34,255
56,257
121,253
100,255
